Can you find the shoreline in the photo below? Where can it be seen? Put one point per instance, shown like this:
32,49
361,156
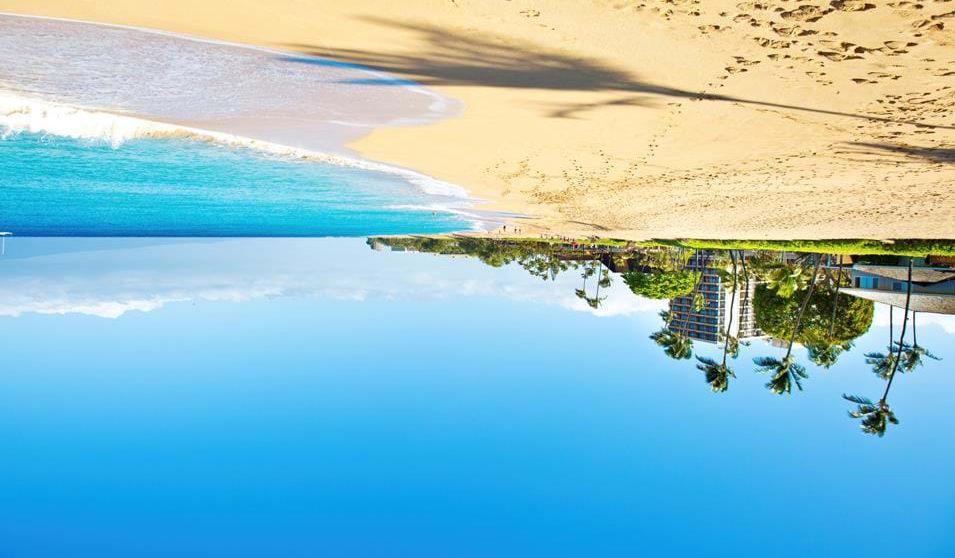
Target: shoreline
574,118
53,114
25,114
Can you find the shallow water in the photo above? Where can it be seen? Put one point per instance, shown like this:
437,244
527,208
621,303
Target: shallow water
95,122
304,397
52,186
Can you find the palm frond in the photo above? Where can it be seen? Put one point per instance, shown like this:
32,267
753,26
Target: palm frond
875,416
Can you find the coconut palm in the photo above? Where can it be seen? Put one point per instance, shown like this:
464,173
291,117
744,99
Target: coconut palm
603,280
675,345
676,342
788,278
835,300
875,416
786,371
882,364
717,375
826,355
913,356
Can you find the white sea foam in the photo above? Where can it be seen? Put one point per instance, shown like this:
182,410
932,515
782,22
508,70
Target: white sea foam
23,114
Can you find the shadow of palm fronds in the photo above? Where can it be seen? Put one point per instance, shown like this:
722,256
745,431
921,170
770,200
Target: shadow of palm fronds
452,58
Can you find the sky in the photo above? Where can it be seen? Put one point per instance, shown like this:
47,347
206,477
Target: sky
315,397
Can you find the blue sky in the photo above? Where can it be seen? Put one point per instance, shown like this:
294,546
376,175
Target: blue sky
305,398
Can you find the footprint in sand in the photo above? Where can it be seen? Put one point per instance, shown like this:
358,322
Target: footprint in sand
807,12
905,5
851,5
769,43
794,31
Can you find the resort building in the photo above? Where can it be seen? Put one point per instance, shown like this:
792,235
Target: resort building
933,288
707,322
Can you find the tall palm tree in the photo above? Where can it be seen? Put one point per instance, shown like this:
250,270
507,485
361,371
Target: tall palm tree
786,371
891,328
787,278
603,280
827,355
835,300
876,416
913,356
675,345
676,342
882,364
586,273
718,374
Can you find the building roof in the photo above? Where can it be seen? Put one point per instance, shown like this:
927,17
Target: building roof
921,302
901,273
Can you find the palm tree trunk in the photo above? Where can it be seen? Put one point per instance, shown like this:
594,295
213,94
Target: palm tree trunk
898,356
729,322
835,302
597,270
802,309
915,337
891,336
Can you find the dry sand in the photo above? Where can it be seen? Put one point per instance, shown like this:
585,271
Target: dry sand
715,119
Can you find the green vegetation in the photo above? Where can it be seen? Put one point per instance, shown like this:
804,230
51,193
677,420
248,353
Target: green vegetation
875,416
786,371
658,284
853,247
914,247
777,315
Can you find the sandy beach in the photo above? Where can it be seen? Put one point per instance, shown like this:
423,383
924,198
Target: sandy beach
643,119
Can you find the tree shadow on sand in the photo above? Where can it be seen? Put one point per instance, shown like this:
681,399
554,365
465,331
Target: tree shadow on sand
450,59
902,153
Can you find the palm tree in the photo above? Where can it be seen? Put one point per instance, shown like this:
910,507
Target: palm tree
788,278
826,355
835,301
891,328
912,356
675,345
882,364
717,375
786,371
586,273
876,416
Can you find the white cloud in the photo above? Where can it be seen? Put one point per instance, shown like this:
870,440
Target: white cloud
111,282
944,321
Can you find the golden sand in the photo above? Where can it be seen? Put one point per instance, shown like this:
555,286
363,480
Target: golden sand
710,119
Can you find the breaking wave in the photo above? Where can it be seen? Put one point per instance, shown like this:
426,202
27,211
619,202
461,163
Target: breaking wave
20,114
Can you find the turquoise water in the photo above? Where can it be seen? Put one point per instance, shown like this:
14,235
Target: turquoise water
55,186
312,397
